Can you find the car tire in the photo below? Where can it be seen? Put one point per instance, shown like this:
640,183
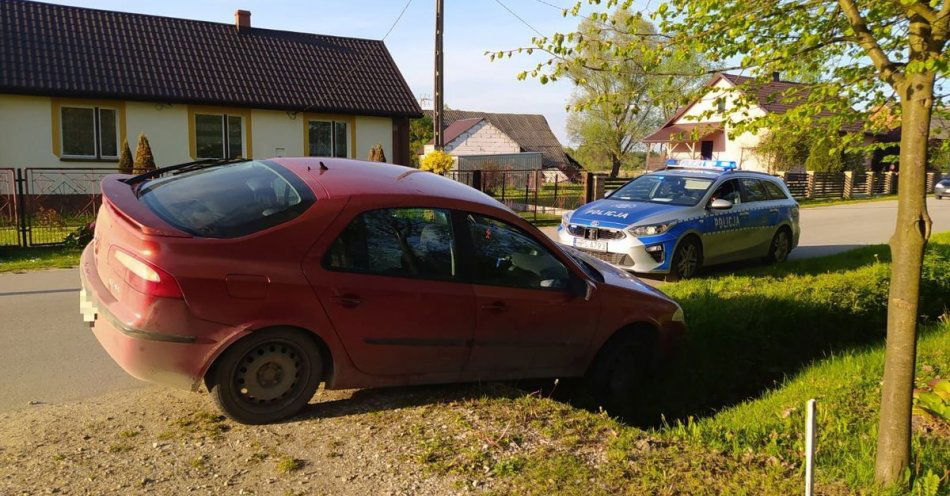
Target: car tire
687,260
267,376
780,247
618,370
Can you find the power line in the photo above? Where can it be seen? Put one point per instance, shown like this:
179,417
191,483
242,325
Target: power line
526,23
359,63
403,11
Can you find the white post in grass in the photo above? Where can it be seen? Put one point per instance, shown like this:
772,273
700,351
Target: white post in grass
809,446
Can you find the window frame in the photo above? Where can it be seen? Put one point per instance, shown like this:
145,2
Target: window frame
461,267
97,131
333,121
468,253
225,128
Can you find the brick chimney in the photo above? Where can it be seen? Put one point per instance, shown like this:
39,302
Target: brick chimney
242,19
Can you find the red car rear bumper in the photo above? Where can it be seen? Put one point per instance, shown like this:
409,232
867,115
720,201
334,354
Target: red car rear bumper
147,352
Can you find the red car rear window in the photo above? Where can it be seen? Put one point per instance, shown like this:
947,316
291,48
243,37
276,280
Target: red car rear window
228,200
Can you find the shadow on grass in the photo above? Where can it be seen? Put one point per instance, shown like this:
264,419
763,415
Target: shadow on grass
747,335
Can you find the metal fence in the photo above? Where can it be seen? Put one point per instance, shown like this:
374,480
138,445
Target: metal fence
41,206
533,192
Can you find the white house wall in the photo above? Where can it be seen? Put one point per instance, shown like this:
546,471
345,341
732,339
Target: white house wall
482,139
371,131
25,125
276,133
26,133
166,127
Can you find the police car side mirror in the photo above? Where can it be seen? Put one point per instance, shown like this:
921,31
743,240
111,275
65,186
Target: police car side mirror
720,204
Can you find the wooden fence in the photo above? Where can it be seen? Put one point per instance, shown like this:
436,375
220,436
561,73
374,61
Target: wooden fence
802,185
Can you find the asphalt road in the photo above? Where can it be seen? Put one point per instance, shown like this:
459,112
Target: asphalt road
48,355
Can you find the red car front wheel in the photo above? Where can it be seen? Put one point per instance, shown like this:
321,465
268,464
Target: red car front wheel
267,376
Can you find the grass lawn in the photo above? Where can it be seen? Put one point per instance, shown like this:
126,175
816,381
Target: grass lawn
542,220
831,202
14,259
727,416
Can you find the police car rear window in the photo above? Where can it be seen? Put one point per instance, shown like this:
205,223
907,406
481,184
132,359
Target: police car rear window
659,188
775,192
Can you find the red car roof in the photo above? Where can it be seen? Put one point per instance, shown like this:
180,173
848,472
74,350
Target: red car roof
344,177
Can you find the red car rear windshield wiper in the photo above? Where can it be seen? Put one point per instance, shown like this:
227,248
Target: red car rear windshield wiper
181,168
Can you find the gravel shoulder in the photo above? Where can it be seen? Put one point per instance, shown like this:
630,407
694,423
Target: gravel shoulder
161,441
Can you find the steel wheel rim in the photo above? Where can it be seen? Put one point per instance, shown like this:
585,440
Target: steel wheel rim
688,260
270,374
781,246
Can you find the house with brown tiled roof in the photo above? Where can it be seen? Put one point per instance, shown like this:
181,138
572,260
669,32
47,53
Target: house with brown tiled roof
526,139
75,82
700,130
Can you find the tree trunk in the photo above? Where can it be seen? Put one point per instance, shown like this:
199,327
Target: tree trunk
907,250
615,166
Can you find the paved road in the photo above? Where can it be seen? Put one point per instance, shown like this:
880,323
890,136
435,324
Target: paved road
49,355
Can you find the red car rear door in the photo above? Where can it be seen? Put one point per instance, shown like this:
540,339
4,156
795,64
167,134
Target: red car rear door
391,287
528,319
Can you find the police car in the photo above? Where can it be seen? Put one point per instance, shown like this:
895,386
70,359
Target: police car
692,214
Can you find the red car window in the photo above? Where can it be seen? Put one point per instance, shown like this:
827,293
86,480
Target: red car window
402,242
504,255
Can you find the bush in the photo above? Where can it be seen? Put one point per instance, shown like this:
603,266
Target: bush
437,161
125,158
376,154
81,236
144,161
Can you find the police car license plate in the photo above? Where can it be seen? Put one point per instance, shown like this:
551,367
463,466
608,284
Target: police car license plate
590,244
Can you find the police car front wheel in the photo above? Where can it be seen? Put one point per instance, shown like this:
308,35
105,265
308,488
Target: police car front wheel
687,260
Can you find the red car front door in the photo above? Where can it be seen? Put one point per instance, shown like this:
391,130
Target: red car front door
389,284
528,320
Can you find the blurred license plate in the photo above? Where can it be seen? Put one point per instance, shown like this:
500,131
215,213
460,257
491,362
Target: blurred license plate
86,307
590,244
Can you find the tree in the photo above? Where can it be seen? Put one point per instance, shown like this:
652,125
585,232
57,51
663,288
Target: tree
420,133
125,158
144,161
437,161
612,111
865,53
376,154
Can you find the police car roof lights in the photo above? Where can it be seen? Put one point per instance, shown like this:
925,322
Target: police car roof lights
719,165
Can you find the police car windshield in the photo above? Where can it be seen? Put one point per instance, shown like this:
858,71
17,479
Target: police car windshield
660,188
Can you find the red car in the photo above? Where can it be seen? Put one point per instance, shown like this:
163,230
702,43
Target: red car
264,278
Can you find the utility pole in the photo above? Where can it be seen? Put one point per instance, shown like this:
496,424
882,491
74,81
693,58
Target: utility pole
437,104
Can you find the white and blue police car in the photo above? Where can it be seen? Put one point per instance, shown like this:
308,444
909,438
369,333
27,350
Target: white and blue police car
693,213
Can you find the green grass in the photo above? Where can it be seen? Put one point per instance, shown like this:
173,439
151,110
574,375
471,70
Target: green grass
726,417
831,202
542,219
15,259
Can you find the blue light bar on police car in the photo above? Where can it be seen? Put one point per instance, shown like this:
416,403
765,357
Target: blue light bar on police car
722,165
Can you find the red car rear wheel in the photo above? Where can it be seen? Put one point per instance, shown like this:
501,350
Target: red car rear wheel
268,376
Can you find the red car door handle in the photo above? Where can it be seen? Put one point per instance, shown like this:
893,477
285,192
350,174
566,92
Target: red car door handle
347,300
497,306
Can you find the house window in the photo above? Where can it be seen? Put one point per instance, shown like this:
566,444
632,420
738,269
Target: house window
219,136
89,132
327,139
721,105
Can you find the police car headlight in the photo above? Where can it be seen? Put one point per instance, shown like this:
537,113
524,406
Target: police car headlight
651,230
566,218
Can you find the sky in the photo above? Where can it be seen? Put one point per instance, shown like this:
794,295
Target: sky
472,81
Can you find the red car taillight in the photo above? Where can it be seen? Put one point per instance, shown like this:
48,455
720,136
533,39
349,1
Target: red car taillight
145,277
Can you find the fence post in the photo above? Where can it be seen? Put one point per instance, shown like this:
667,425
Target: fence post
810,185
477,179
599,186
588,187
888,183
872,179
848,184
22,235
931,181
